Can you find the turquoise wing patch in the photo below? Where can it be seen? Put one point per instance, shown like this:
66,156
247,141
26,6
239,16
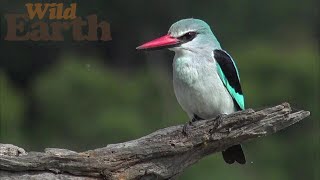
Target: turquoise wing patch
239,98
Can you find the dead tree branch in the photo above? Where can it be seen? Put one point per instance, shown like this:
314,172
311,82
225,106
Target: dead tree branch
163,154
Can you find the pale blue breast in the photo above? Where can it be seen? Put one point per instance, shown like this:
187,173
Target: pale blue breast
198,88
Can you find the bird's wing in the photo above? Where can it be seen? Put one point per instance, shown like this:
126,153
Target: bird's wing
229,75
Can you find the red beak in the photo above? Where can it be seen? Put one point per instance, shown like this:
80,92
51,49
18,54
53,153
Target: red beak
162,42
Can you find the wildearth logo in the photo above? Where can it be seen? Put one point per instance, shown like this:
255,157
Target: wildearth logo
30,26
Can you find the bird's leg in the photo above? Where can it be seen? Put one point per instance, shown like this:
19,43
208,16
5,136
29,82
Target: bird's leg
186,127
217,122
190,123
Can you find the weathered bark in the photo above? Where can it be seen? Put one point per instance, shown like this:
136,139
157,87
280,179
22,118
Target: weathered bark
163,154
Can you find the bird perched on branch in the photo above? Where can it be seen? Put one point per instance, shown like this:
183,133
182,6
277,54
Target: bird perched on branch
205,77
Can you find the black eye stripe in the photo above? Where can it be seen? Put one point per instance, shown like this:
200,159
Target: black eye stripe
188,36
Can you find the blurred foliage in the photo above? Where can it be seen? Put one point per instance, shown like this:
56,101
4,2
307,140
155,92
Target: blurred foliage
84,95
12,111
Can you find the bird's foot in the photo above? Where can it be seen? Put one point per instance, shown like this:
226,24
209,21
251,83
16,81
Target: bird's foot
216,122
186,127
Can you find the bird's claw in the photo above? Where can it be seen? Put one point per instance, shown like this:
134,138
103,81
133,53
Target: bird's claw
216,122
186,127
190,123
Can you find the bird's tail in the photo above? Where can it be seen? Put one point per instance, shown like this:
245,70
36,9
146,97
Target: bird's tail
234,153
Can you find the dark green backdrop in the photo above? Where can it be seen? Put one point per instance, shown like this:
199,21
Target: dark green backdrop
83,95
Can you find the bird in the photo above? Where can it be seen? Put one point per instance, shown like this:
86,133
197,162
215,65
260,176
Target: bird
206,80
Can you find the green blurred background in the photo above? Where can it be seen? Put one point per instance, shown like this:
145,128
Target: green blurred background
84,95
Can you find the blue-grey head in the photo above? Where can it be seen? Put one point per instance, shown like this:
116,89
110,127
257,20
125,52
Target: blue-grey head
185,35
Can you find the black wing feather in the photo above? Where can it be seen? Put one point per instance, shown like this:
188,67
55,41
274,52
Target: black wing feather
230,72
228,68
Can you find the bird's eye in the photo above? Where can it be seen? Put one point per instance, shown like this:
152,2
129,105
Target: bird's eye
188,36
